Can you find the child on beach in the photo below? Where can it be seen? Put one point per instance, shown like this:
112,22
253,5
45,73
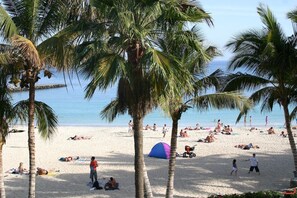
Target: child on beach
234,167
164,130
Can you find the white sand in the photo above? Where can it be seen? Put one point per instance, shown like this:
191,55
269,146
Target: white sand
207,174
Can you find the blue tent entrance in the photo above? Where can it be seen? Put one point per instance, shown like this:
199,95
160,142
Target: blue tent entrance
160,150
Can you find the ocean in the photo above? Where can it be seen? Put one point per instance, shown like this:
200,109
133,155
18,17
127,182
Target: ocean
72,109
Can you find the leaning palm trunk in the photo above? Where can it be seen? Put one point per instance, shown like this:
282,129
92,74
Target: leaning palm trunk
138,159
172,160
31,140
290,135
2,191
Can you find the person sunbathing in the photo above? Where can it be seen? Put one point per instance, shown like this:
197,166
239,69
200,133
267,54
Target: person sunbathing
41,171
271,130
79,138
68,159
210,138
246,146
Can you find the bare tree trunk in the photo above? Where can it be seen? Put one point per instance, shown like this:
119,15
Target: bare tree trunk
31,140
138,159
2,191
290,135
147,185
172,160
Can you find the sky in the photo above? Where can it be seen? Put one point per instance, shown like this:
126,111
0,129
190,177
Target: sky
232,17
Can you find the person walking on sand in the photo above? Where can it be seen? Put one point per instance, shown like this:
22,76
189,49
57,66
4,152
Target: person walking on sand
234,167
93,171
254,164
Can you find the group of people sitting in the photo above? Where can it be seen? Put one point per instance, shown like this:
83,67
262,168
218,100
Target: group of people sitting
227,130
148,127
183,133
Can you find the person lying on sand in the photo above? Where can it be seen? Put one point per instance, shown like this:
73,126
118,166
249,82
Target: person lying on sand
79,138
253,129
69,158
41,171
246,146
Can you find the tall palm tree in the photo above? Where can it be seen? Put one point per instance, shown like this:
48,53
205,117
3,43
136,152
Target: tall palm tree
194,57
122,50
29,26
270,59
46,118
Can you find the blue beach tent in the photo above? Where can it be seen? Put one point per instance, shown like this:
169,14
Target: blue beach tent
160,150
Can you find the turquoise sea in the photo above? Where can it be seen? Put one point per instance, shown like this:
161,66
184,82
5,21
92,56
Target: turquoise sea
72,109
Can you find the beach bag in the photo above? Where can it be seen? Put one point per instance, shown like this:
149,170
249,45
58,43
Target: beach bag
97,186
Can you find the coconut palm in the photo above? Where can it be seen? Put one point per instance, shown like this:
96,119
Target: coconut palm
122,50
269,58
46,118
194,57
29,26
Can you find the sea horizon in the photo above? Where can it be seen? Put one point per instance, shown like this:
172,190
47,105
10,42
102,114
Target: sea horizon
73,109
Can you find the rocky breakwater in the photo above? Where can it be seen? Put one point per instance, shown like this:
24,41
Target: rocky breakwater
49,86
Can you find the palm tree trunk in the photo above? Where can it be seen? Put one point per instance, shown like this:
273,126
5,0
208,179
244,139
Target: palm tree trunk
138,159
31,141
290,135
147,185
172,160
2,191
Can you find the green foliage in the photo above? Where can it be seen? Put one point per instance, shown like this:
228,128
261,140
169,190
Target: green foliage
260,194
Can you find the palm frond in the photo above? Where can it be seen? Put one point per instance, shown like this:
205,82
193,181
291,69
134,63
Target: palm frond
112,110
27,50
45,116
7,26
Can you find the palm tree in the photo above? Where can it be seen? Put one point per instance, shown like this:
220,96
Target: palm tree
121,49
29,26
270,59
46,118
194,57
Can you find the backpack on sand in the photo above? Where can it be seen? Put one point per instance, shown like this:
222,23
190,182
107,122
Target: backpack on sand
97,186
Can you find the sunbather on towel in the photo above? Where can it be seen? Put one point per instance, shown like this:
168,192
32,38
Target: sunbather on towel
76,137
69,158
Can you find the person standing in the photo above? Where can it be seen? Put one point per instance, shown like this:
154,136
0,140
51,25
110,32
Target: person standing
164,131
254,164
130,127
234,167
93,169
266,120
250,121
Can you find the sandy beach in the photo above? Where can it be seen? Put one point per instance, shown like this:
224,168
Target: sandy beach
207,174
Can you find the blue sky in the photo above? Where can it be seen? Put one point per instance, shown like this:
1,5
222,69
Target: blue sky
232,17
